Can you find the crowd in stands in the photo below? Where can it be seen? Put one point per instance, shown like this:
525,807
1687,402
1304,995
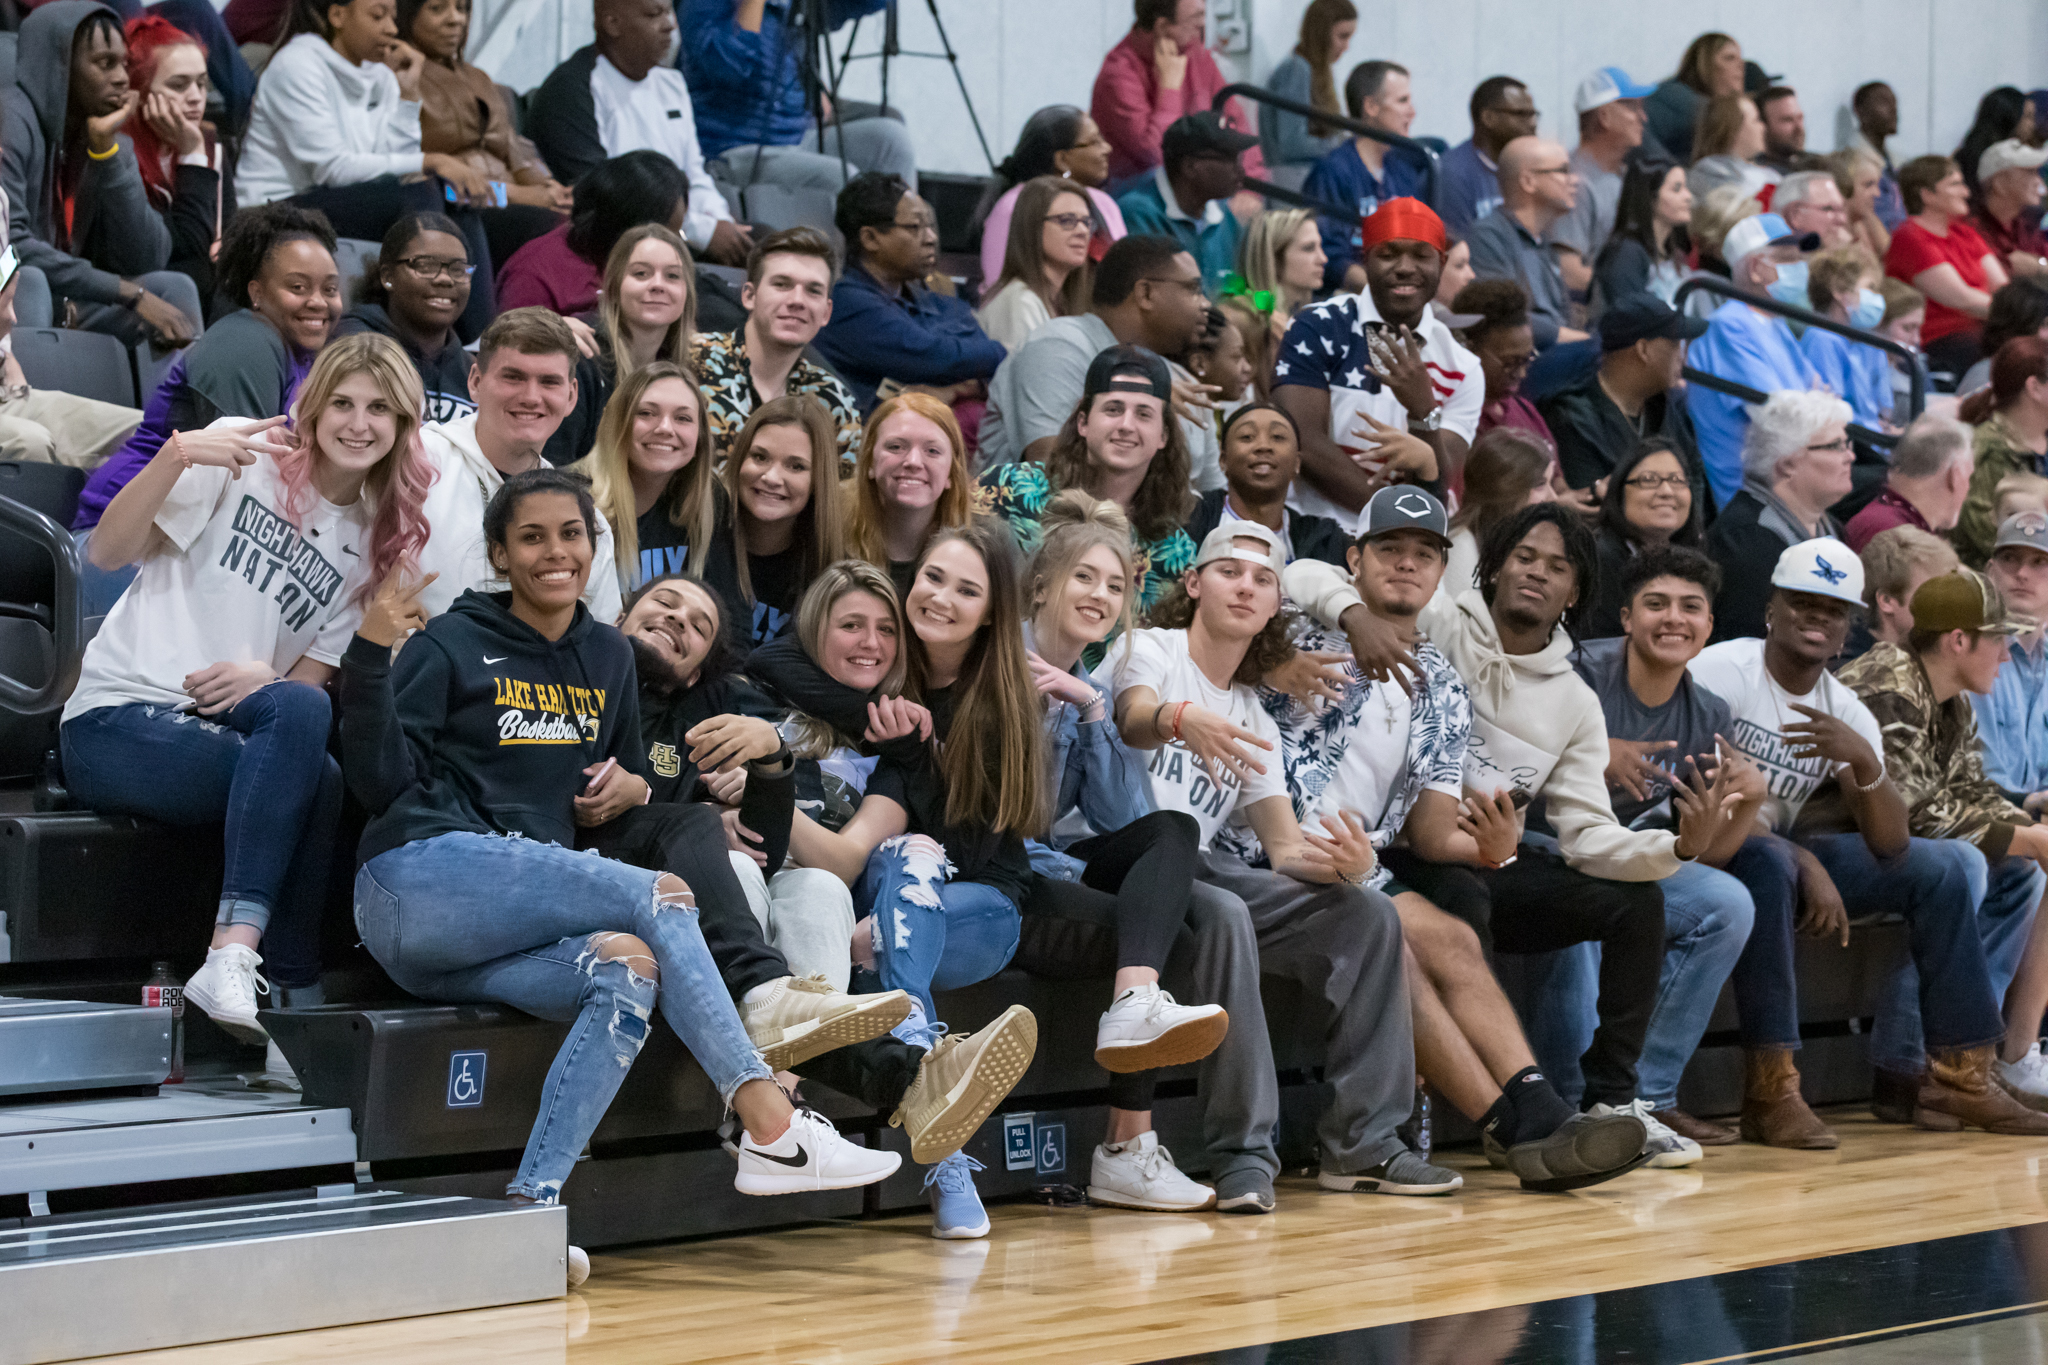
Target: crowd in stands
1645,546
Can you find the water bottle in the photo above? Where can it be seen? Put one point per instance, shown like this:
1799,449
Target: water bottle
1415,1132
162,988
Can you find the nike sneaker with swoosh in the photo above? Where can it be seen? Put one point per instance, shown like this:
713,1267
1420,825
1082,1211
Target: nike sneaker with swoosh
810,1156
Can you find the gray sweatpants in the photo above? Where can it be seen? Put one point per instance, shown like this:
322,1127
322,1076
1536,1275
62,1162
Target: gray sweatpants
1342,943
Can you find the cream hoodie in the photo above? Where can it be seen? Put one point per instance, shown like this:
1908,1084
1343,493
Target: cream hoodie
463,482
320,119
1535,724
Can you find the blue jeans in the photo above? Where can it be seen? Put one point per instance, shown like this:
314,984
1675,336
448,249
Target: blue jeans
263,768
1707,917
1765,985
479,917
1968,921
929,933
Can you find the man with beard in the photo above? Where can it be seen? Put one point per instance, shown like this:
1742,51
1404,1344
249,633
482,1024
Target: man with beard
1538,733
1381,391
703,727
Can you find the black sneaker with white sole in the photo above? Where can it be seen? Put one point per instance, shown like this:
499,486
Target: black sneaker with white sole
1586,1149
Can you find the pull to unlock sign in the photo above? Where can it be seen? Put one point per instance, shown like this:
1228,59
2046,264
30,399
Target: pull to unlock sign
1029,1145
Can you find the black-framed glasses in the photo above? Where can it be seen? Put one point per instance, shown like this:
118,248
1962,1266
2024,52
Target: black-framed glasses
1069,222
1653,481
433,267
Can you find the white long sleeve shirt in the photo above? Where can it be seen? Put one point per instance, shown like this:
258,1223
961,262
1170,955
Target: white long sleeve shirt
320,119
654,114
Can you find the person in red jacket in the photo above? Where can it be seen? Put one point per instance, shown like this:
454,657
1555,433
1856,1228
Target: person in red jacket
1160,71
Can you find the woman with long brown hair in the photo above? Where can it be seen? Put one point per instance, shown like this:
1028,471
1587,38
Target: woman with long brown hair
1294,142
2011,418
910,479
651,475
646,312
1712,65
1725,148
1046,270
782,521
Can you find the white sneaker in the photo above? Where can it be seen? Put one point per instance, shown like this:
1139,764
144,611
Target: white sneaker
1670,1149
227,987
810,1156
1146,1027
1140,1174
277,1073
579,1266
2026,1080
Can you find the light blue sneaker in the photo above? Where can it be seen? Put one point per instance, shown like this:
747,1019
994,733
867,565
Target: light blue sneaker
957,1213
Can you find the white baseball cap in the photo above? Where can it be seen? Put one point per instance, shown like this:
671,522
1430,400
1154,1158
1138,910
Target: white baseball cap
2009,155
1605,86
1761,230
1824,566
1221,543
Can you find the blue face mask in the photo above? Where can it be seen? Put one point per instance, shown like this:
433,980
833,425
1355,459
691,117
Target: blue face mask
1869,310
1791,285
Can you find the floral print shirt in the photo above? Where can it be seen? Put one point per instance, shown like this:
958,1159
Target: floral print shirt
720,362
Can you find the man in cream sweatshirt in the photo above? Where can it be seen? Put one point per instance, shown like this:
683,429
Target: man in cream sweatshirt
1538,729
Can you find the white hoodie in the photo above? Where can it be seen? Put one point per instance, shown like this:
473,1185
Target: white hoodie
319,119
1535,725
464,480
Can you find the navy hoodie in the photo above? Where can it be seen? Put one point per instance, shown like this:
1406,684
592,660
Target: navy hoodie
484,726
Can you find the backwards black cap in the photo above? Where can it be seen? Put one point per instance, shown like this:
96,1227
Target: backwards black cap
1127,369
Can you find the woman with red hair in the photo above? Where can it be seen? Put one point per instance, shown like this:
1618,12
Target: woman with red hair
184,165
201,699
2011,418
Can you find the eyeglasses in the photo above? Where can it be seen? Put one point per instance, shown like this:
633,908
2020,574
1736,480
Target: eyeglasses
1193,286
1554,170
1649,482
1834,447
1069,222
431,267
918,227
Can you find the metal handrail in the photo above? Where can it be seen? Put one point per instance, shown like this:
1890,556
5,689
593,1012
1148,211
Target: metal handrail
1262,95
1857,432
1296,198
1712,284
69,626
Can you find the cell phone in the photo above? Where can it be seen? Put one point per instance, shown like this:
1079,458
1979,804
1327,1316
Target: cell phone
1518,798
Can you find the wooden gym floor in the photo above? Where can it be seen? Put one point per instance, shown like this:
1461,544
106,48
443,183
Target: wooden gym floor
1050,1286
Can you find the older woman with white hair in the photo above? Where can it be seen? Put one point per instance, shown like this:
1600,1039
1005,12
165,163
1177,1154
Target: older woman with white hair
1795,466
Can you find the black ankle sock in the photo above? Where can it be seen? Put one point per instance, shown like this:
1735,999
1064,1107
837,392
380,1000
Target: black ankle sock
1499,1121
1539,1110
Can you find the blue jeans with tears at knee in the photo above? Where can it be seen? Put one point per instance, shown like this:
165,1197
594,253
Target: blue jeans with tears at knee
480,917
930,933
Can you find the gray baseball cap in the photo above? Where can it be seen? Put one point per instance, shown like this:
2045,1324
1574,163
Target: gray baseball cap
1404,507
2023,528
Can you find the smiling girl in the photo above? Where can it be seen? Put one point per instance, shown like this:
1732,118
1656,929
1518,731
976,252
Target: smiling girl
651,475
909,481
200,698
783,520
646,312
418,288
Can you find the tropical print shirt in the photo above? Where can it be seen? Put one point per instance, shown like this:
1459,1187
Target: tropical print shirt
1314,742
1932,753
720,362
1018,493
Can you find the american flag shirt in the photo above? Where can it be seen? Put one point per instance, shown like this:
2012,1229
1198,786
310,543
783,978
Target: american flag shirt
1325,348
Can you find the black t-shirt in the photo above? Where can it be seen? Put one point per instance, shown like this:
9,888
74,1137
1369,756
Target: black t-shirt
664,546
778,581
993,858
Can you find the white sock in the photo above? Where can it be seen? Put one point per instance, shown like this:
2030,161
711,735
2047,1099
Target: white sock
758,994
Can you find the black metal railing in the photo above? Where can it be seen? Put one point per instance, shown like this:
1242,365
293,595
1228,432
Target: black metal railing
1261,95
68,627
1916,399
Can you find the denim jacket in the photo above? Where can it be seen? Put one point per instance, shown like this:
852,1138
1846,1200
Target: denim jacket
1095,772
2012,721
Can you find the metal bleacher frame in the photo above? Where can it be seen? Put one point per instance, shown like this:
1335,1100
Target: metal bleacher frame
1260,95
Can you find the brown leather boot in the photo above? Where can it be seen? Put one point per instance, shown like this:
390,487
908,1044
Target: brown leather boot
1774,1113
1958,1092
1705,1132
1894,1095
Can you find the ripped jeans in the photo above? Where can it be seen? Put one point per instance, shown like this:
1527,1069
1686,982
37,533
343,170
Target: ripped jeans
483,918
930,933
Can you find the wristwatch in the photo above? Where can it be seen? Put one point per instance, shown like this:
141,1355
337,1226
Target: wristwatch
1429,421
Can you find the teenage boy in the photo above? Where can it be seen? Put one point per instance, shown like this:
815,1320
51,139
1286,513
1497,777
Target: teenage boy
1185,692
1400,761
1661,726
1537,731
788,298
1261,457
523,383
1814,738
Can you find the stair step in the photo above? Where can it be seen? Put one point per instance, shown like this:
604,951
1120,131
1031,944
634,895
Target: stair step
134,1279
50,1045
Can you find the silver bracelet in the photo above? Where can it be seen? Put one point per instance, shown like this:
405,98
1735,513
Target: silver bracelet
1876,782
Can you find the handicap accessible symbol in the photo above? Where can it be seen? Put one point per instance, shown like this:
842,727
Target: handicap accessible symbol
1052,1148
465,1080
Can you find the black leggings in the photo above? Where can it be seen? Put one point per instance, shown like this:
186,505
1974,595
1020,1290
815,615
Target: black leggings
366,212
1130,904
689,841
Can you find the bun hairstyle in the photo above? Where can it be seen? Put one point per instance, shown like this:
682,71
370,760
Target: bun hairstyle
1073,524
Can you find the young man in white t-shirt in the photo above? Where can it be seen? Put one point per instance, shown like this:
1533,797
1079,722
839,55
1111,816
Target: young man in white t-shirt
1814,738
1399,761
1186,695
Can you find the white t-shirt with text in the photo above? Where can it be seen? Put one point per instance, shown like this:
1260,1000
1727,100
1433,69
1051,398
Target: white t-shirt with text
1159,659
1734,671
238,583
